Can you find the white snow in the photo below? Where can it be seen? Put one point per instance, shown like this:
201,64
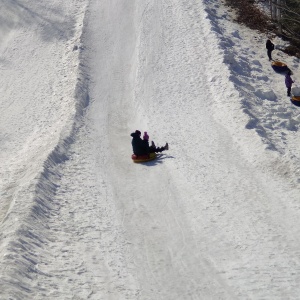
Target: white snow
215,217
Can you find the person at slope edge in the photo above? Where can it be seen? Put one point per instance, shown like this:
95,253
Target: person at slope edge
270,47
288,82
141,146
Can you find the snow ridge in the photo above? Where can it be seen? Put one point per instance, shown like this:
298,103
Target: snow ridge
272,121
26,237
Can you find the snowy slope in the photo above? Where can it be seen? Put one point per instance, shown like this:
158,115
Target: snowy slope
216,217
39,72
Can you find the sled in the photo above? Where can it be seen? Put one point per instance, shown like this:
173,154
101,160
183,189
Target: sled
295,100
279,66
143,158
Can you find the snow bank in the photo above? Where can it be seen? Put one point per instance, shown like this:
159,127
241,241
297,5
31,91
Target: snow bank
272,122
45,87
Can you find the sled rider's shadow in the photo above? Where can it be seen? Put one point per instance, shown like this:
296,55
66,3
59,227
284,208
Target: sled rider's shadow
159,160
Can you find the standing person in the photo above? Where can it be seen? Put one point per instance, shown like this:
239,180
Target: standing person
270,47
288,82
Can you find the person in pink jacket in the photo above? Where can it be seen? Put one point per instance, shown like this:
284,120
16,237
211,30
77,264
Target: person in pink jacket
288,82
153,148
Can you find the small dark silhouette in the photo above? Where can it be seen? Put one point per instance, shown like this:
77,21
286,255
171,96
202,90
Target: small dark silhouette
288,82
270,47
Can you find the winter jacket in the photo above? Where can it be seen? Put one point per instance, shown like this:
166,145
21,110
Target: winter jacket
139,146
269,45
288,81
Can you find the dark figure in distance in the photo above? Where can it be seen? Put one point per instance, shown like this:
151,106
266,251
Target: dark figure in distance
288,82
270,47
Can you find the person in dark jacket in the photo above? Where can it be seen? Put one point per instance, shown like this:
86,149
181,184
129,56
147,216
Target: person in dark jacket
138,145
141,146
288,82
270,47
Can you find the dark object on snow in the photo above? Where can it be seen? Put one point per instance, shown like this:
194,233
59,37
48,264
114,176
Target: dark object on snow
141,147
270,47
138,145
295,100
279,66
288,82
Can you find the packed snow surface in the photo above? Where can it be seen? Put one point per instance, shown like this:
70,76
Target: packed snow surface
215,217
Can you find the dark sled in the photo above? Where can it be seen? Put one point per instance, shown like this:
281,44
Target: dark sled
295,100
279,66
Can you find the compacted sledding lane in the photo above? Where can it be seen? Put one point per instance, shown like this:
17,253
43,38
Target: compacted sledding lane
197,224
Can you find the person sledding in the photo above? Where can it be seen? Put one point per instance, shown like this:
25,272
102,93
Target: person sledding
141,146
153,148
